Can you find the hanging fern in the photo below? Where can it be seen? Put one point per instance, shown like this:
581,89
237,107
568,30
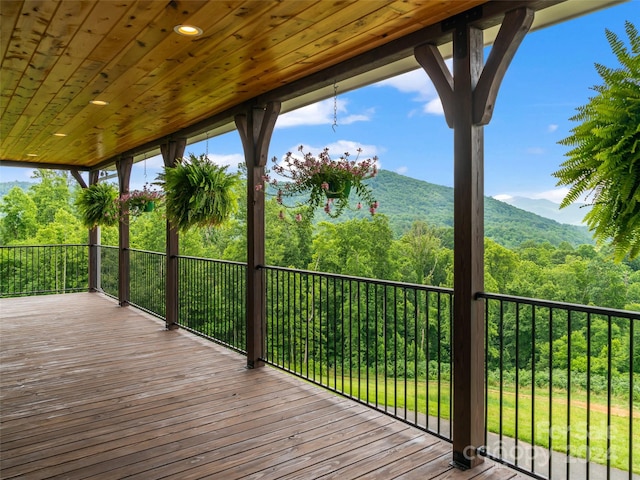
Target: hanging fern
98,205
604,162
198,193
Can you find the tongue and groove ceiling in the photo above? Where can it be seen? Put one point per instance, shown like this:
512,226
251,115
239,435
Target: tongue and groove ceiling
58,55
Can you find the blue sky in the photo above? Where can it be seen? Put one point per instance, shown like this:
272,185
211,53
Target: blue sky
400,120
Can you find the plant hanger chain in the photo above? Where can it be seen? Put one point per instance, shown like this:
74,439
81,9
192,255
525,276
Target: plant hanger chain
335,106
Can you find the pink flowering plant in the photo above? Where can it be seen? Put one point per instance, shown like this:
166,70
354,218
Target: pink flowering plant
327,182
137,202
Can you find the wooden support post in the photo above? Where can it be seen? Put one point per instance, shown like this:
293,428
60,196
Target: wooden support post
94,243
468,98
94,234
124,271
172,152
255,128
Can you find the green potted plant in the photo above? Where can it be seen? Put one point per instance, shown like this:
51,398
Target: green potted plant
98,205
326,182
198,193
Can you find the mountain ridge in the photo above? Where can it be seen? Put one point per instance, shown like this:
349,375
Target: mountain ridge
405,200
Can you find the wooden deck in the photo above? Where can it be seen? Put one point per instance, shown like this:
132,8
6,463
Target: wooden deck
92,390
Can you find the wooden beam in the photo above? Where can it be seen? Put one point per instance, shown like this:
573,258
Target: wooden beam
515,26
172,151
76,174
46,166
255,128
94,243
432,62
123,167
468,97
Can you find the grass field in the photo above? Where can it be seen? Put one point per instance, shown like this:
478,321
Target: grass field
555,419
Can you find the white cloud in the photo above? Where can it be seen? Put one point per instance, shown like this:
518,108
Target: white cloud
434,107
503,197
402,170
555,195
322,113
232,159
342,146
552,128
417,82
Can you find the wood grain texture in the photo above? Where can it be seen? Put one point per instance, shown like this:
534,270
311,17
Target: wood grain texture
57,55
89,389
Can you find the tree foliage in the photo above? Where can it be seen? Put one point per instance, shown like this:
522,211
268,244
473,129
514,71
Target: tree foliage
604,161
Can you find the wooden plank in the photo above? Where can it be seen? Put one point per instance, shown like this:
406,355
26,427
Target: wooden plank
73,69
33,93
9,15
428,451
78,401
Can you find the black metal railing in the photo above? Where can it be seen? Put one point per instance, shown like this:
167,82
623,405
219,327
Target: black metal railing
43,269
212,299
147,287
109,273
563,388
385,344
562,380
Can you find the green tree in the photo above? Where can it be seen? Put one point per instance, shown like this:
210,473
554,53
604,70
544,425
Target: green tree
605,159
355,247
65,228
50,194
18,221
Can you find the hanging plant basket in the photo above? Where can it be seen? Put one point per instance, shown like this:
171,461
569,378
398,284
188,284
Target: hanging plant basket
338,189
98,205
138,202
326,182
198,193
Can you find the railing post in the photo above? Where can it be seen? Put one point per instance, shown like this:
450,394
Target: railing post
172,151
468,98
255,128
124,270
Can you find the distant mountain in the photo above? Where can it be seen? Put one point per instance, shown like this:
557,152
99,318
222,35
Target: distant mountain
571,215
5,187
404,200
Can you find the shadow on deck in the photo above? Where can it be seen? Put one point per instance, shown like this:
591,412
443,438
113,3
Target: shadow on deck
89,389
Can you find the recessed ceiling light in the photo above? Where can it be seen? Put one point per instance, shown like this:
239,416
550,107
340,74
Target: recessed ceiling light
32,154
59,134
99,102
188,30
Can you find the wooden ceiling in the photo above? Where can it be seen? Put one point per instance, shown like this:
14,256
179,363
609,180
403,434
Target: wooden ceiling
58,55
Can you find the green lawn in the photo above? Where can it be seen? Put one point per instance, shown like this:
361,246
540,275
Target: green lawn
393,395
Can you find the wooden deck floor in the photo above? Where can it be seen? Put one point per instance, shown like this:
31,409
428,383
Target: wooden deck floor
92,390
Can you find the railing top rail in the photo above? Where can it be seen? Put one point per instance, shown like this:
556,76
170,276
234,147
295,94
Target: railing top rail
47,245
389,283
612,312
106,246
229,262
145,251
